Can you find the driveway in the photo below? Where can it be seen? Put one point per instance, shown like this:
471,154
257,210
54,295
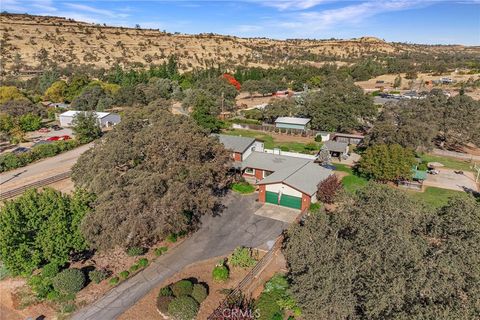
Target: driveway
236,226
448,179
279,213
41,169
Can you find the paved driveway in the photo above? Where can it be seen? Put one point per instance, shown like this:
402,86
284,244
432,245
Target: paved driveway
280,213
448,179
236,226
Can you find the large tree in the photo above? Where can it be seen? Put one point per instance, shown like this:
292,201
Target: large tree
381,255
384,162
154,174
86,127
338,106
41,227
280,108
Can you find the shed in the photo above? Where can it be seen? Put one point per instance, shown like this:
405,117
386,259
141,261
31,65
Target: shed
348,138
337,149
105,119
292,123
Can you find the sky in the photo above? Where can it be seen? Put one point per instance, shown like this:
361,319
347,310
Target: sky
412,21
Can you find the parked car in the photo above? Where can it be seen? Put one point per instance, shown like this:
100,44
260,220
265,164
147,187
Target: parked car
54,138
56,127
65,137
44,130
433,171
20,150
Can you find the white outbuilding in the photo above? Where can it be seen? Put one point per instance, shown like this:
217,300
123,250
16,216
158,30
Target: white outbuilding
105,119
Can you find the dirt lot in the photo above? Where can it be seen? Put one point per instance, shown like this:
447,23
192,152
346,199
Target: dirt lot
145,309
448,179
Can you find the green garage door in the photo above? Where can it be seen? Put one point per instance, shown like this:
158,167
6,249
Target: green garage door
291,201
271,197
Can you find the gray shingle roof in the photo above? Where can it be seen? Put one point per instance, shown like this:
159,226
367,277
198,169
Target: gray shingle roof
336,146
272,162
235,143
292,120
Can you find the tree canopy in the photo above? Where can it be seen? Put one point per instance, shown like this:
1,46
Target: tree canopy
415,264
154,174
86,127
41,227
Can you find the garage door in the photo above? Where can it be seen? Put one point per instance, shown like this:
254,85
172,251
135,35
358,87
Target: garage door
271,197
291,201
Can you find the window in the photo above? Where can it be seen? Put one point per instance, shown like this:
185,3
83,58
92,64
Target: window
249,171
266,173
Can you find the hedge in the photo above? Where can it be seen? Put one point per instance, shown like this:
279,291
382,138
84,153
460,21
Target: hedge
10,161
199,292
69,281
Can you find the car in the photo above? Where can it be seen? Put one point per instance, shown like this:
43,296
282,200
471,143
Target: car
56,127
41,142
54,138
65,137
20,150
433,171
44,130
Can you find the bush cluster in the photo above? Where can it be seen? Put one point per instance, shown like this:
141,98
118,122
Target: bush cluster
242,257
11,161
220,273
69,281
181,300
97,276
160,250
135,251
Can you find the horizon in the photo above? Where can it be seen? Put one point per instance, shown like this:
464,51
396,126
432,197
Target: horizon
279,20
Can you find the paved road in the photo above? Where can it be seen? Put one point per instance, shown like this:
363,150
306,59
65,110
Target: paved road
236,226
42,169
464,156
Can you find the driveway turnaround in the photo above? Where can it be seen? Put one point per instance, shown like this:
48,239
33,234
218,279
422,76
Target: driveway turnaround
236,226
448,179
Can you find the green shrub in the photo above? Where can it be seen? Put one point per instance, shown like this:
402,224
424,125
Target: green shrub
242,257
199,292
134,268
69,281
40,285
50,270
172,238
163,302
182,288
9,161
220,273
124,274
277,283
267,305
183,308
97,276
160,250
53,295
3,271
135,251
311,146
143,262
113,281
68,308
166,291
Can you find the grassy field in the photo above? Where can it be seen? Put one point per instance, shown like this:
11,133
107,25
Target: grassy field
271,143
435,197
432,196
451,163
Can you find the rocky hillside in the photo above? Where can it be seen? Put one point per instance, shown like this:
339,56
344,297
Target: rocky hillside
29,43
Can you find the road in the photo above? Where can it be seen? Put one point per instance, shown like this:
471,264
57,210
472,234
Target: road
41,169
453,154
236,226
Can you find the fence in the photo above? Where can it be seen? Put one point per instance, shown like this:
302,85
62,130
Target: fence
245,288
40,183
271,128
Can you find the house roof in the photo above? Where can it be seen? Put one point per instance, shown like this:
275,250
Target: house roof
73,113
336,146
235,143
347,135
304,178
292,120
272,162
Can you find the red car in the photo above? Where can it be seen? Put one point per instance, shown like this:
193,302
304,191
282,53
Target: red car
56,138
65,137
59,138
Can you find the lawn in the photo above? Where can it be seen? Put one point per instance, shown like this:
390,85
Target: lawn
270,142
435,197
448,162
351,182
243,187
432,196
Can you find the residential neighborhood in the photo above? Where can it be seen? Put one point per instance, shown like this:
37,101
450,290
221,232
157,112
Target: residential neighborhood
163,160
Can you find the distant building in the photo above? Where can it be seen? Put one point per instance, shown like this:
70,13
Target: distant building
348,138
325,135
292,123
105,119
337,149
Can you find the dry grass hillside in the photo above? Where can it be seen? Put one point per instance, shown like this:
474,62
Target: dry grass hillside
30,42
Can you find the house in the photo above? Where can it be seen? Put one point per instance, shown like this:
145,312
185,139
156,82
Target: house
241,147
292,123
283,180
336,148
105,119
348,138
